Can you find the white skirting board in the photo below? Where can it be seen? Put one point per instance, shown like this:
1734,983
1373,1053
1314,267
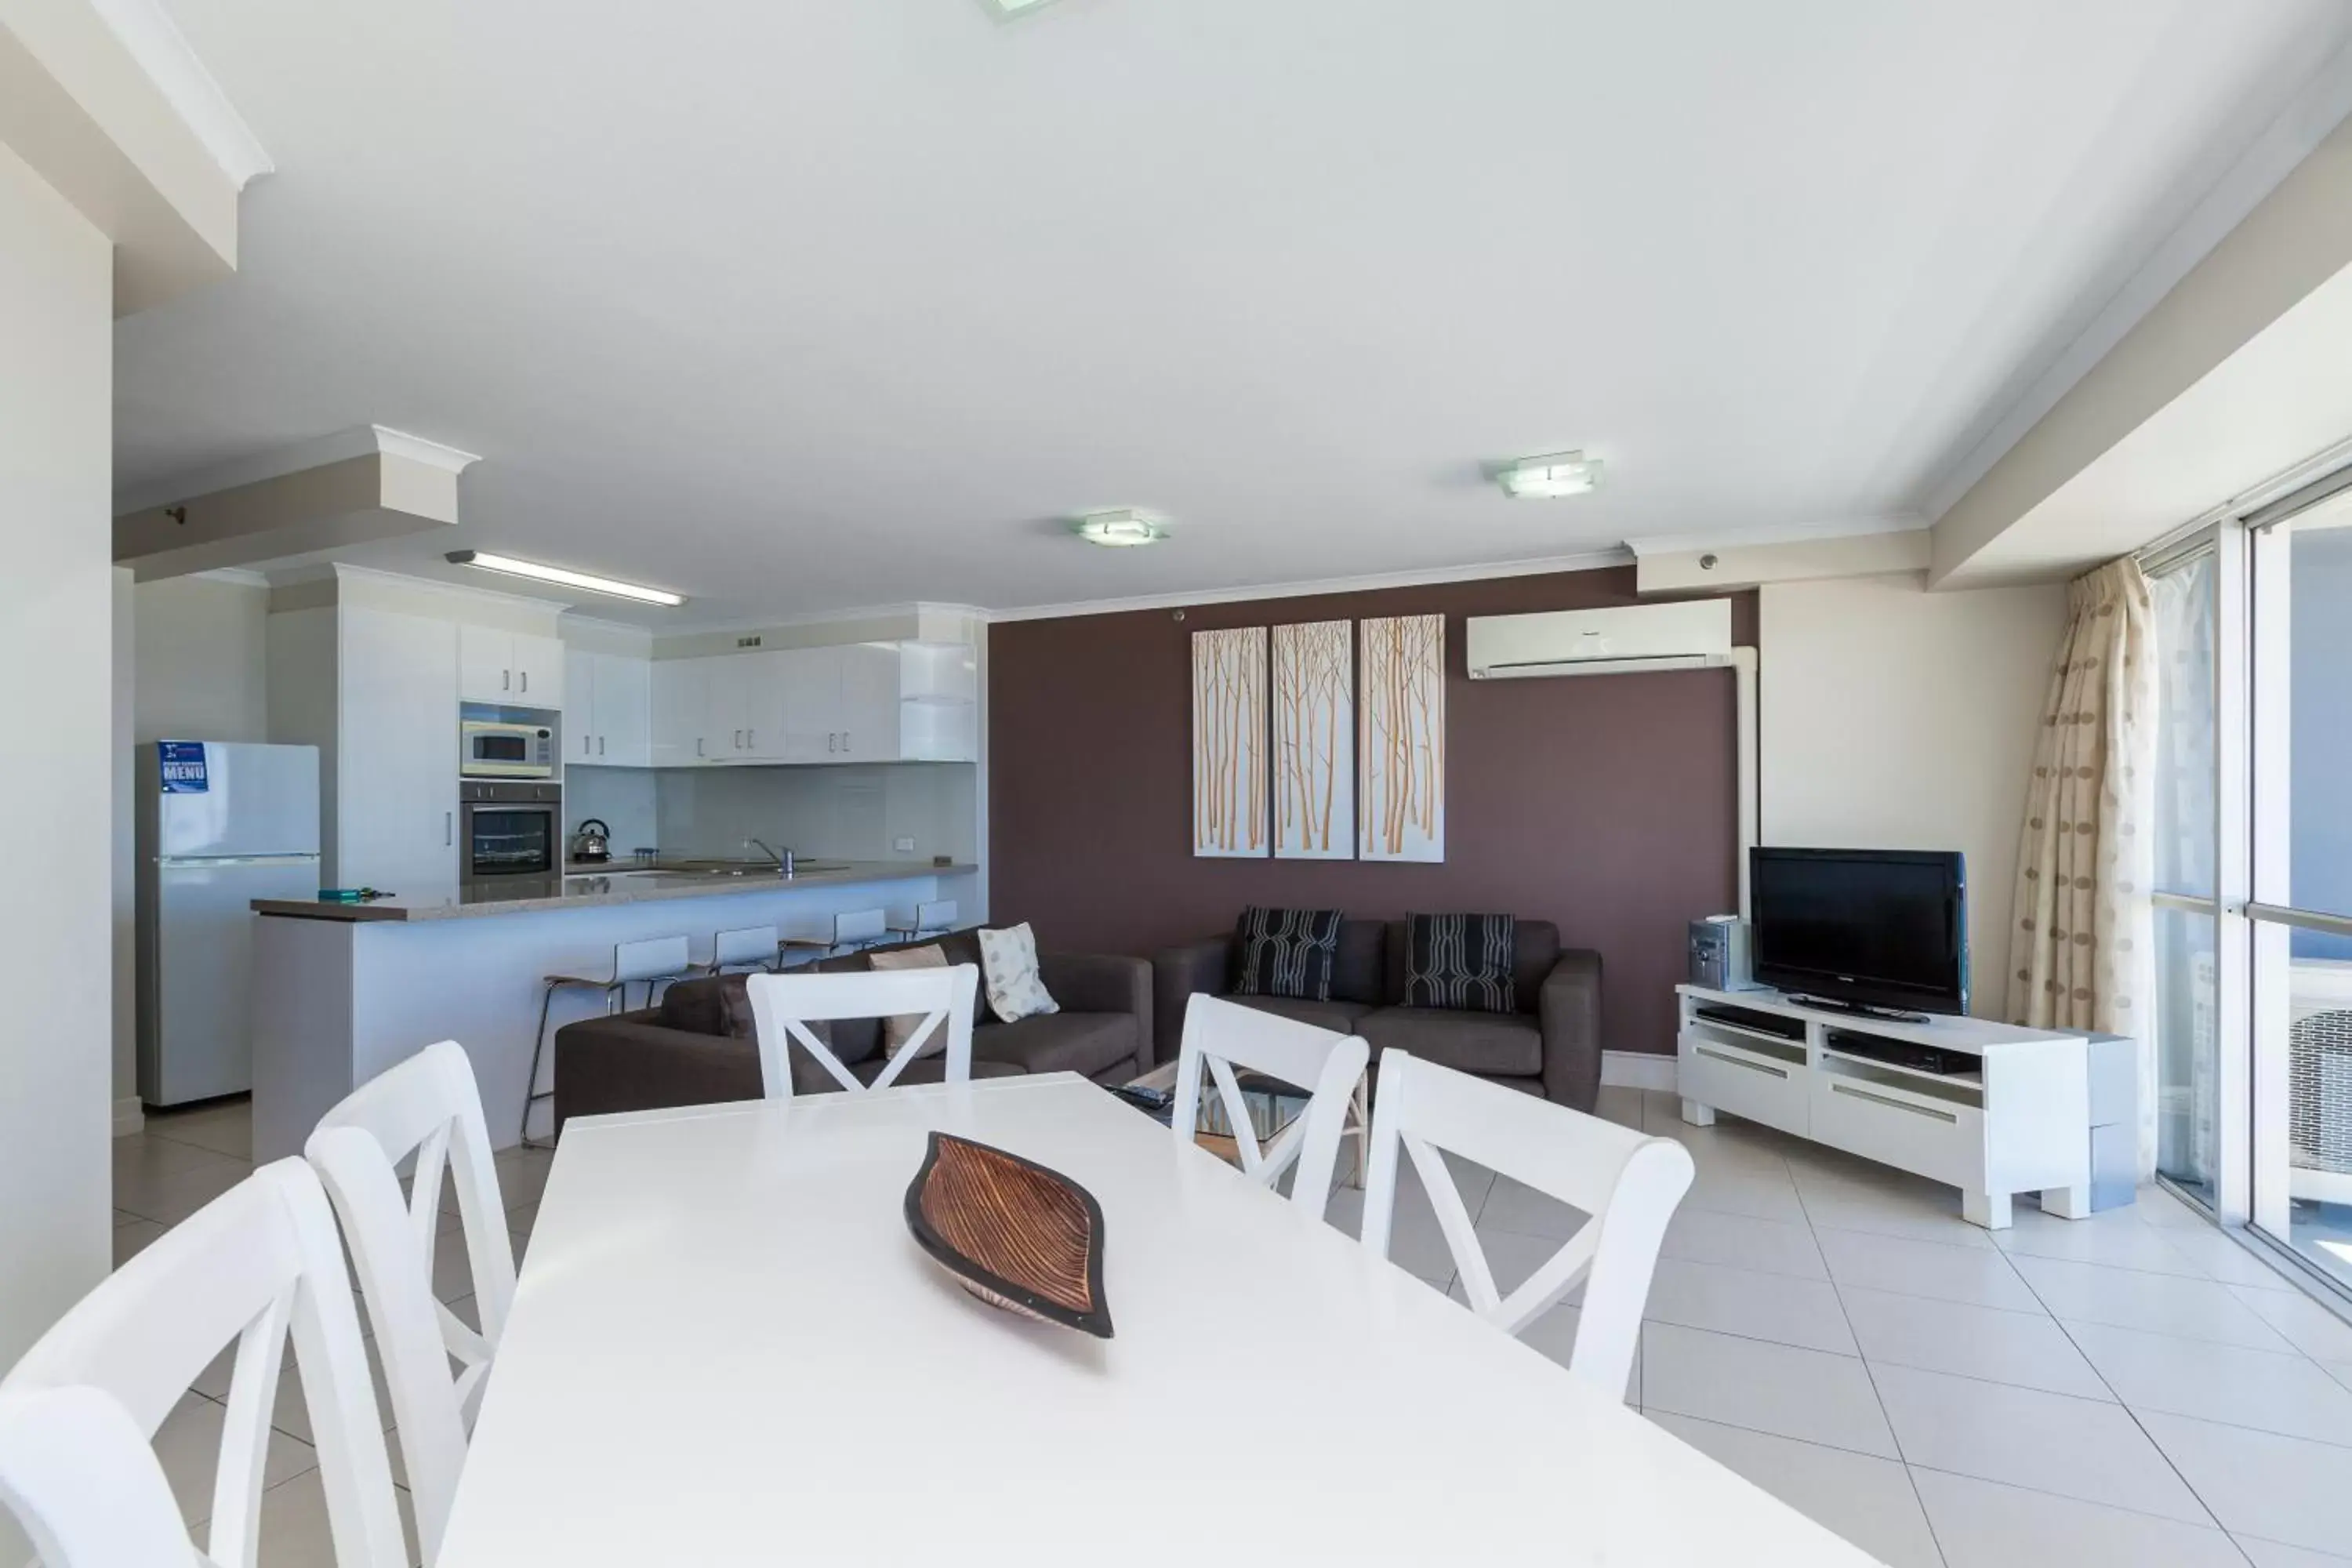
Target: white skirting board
1638,1069
129,1118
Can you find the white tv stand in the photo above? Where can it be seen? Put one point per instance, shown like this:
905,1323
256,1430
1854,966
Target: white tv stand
2020,1123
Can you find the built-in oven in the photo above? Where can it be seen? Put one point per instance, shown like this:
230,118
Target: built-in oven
507,742
510,830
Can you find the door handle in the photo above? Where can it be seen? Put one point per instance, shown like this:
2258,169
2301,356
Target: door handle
600,745
750,740
449,829
845,740
584,745
506,680
829,739
698,745
526,680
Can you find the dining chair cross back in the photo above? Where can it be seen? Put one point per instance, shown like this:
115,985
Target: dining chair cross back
783,1005
1627,1182
76,1474
428,1108
1220,1036
257,1266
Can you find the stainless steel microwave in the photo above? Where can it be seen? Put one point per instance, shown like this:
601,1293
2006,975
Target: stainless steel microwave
508,748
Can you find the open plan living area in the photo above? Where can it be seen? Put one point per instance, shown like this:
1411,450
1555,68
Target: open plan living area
1108,782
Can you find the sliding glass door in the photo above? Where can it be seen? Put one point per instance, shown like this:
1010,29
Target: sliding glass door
2300,917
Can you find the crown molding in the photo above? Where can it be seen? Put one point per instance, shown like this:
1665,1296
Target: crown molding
1795,533
147,31
365,440
1589,561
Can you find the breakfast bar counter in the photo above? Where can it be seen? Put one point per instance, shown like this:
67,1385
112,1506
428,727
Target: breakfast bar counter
343,991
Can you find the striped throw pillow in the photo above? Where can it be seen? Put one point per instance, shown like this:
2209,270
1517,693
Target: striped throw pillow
1462,961
1286,952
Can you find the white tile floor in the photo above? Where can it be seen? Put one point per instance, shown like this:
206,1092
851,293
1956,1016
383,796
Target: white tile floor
2133,1388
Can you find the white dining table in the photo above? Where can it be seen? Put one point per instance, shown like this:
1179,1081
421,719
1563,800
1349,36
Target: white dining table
726,1348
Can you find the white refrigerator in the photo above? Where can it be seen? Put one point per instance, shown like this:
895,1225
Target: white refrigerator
219,826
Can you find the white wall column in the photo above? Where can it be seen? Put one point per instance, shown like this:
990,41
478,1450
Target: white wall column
57,614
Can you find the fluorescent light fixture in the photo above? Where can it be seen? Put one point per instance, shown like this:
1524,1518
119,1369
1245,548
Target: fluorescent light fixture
560,575
1548,477
1124,526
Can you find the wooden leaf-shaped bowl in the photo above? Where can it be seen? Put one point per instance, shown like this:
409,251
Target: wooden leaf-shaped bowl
1012,1233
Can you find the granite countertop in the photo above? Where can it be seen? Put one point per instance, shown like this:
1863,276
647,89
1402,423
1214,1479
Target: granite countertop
619,885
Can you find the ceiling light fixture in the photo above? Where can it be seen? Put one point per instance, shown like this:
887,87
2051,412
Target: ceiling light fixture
560,575
1124,526
1548,478
1006,9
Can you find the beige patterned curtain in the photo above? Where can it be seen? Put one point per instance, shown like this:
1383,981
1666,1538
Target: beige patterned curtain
2081,954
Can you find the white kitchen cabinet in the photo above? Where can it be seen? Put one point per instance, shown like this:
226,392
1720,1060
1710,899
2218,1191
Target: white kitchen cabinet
607,709
808,682
622,709
867,709
395,772
733,711
515,668
578,706
859,703
678,686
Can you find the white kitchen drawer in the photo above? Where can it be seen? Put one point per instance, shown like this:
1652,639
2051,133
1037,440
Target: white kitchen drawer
1882,1120
1748,1084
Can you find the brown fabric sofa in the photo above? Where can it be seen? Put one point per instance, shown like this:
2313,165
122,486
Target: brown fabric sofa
1550,1047
697,1047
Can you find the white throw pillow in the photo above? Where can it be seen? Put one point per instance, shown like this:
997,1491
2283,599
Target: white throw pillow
1008,962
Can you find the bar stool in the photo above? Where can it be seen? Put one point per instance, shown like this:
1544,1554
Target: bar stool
855,930
653,960
751,945
936,918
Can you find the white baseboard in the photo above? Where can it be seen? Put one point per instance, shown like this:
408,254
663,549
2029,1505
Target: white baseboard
129,1118
1638,1069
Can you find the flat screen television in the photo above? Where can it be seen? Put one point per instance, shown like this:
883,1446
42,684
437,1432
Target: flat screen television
1883,928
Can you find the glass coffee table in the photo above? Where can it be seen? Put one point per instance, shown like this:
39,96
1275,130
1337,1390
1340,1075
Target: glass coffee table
1273,1105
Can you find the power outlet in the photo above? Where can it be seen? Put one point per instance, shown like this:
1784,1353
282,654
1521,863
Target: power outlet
903,846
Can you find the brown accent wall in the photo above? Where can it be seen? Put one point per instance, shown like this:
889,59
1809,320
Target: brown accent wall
1606,804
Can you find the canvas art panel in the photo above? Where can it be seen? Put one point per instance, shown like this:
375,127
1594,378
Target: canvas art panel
1313,742
1231,778
1400,738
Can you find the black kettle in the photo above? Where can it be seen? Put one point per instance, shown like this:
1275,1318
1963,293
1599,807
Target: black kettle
592,845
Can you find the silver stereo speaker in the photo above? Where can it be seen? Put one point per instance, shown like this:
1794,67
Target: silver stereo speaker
1719,953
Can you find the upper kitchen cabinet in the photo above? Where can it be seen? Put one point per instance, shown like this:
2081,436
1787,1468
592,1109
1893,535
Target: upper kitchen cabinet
860,702
678,687
607,708
515,669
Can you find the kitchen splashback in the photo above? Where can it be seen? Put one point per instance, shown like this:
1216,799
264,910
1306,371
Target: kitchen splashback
849,813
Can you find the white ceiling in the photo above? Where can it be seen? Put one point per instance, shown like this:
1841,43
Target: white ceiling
800,305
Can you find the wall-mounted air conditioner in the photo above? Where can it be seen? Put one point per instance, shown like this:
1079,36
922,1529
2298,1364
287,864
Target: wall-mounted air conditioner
1693,636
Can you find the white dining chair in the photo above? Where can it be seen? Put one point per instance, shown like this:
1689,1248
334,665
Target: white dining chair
1220,1036
258,1264
428,1107
1629,1184
77,1475
783,1005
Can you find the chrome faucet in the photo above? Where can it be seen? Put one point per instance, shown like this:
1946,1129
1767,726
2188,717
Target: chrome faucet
782,858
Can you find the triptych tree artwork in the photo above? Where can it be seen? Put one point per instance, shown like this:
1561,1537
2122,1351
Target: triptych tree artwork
1331,748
